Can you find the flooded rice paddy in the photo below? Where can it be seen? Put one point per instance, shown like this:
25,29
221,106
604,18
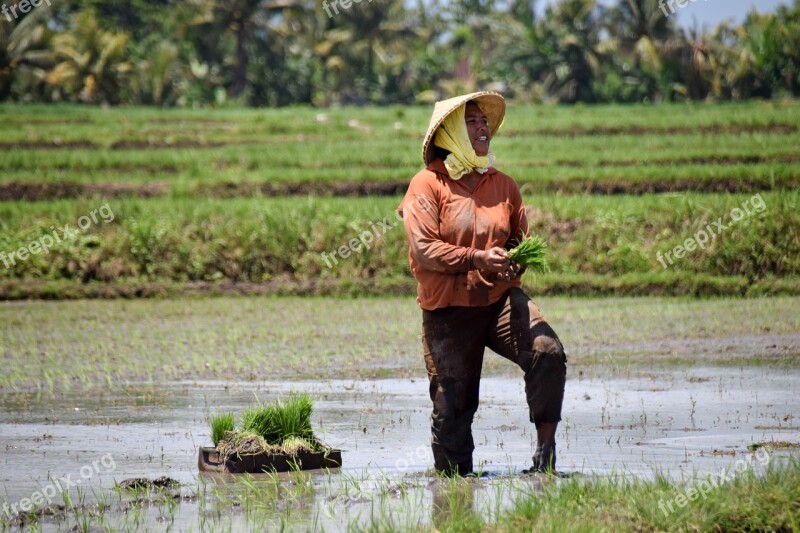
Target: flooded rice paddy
681,422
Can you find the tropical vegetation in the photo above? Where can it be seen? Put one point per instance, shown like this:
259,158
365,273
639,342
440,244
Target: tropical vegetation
281,52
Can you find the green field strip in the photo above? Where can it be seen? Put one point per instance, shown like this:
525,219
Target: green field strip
257,239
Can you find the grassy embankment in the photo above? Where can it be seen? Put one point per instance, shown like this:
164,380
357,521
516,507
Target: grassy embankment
61,162
599,245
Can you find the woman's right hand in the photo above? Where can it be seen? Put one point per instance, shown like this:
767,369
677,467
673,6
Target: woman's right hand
492,260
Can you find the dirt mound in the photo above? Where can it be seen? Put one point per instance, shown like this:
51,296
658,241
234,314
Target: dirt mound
44,145
317,188
16,190
696,160
239,445
714,129
142,483
716,184
178,143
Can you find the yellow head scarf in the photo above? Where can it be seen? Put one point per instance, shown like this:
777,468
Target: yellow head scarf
452,136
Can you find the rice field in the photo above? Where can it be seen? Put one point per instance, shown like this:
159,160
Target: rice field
264,198
121,342
731,147
648,447
161,267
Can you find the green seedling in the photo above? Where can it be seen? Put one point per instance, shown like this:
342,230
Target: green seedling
531,253
279,427
220,425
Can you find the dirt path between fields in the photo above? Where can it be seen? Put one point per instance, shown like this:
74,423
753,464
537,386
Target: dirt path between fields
32,191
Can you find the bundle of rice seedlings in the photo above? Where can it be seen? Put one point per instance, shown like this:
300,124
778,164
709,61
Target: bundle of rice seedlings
221,424
531,252
280,427
293,419
295,445
280,421
258,420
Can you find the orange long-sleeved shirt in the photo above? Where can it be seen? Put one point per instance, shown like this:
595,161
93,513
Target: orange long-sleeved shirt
446,224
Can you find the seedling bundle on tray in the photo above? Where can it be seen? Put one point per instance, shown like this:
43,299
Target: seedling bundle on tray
276,436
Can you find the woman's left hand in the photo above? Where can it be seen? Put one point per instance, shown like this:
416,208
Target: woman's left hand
513,271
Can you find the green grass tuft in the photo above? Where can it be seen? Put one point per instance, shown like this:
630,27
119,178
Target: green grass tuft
749,502
279,421
221,424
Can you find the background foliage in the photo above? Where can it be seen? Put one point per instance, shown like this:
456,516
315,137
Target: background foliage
281,52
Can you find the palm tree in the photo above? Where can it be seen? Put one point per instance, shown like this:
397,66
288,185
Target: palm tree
366,50
157,70
569,36
479,36
768,48
25,54
631,21
523,11
243,19
90,62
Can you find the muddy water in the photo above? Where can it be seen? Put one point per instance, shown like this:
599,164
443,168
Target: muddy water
679,422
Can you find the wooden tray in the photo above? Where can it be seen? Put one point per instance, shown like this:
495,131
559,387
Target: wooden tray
209,460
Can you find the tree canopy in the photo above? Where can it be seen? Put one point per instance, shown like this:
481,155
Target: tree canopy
326,52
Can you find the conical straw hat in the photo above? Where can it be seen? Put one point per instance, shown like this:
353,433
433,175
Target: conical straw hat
492,104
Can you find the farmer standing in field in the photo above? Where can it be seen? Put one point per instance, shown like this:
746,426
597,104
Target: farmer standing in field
460,213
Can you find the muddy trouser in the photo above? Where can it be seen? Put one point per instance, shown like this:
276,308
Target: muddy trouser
453,342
